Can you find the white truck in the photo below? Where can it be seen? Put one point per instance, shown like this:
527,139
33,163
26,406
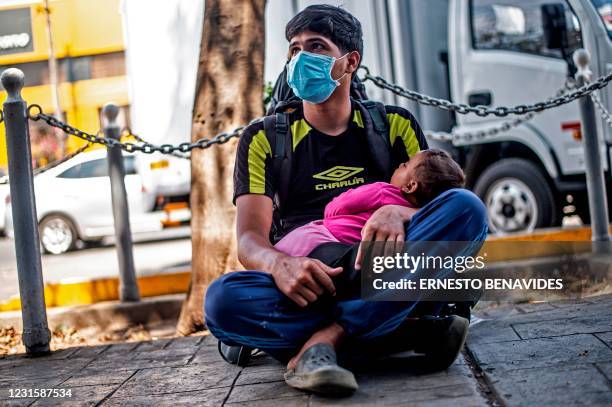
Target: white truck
513,52
479,52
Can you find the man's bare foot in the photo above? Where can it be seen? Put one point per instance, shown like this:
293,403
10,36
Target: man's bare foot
331,335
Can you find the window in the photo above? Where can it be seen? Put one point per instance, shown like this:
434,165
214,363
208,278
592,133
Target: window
72,69
516,25
604,8
105,65
98,168
72,172
95,168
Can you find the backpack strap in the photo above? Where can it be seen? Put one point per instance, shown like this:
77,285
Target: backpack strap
282,158
378,114
281,128
277,132
377,127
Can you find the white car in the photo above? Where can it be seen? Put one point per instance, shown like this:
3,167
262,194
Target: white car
73,202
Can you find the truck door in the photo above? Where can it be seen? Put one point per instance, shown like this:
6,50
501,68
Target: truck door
501,59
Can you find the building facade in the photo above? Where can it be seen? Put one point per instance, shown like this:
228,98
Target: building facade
90,51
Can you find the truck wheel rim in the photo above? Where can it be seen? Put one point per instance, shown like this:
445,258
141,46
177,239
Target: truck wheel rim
56,236
511,206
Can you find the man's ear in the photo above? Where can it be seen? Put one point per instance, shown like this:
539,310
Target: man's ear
352,59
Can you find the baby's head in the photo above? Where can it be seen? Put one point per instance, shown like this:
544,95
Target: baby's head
427,175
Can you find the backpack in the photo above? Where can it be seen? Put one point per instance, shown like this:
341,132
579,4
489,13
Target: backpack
278,133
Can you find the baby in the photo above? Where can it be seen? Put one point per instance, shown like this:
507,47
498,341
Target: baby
414,184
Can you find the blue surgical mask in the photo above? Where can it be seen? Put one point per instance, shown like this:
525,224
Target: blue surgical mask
309,76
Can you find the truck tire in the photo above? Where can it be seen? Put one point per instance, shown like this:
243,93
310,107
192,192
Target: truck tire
518,197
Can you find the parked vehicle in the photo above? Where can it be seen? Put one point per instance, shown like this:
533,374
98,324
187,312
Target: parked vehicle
73,201
509,53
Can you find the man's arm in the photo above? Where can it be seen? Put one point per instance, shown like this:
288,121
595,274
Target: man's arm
253,222
385,225
301,279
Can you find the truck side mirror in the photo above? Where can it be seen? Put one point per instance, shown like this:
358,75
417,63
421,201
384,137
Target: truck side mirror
554,25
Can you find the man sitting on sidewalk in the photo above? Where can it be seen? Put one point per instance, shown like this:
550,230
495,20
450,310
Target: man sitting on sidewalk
286,306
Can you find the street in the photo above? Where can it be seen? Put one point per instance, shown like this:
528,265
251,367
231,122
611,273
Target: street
165,251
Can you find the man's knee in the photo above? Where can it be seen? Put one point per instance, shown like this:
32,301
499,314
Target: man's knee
457,214
227,297
466,203
217,301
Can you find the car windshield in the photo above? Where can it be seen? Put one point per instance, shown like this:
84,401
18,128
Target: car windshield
604,8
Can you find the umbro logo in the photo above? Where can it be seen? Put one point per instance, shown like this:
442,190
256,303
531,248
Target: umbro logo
338,173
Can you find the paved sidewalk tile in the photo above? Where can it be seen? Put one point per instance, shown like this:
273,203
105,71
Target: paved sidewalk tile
188,371
560,353
525,355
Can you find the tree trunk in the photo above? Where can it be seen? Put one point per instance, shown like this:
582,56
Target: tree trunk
229,93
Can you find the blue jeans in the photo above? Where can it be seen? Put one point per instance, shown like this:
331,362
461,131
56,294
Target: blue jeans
246,308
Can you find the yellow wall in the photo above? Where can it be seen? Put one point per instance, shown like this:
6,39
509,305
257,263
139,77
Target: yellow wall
80,27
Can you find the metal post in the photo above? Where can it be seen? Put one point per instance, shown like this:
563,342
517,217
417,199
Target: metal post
36,333
596,187
128,289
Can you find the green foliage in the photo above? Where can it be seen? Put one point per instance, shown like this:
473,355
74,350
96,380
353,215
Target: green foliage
267,94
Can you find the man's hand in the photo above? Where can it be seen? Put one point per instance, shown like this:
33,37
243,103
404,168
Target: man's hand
385,225
299,278
303,279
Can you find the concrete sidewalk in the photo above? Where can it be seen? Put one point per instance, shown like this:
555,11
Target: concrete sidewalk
548,353
536,354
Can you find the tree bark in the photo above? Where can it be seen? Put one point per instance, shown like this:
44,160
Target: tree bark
229,93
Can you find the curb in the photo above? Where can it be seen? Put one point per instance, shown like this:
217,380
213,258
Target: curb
574,234
67,292
107,314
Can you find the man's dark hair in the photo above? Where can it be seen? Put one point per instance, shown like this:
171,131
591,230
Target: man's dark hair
335,23
436,172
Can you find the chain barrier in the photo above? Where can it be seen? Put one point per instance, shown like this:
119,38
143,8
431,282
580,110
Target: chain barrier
484,111
494,131
127,132
62,160
605,114
35,113
527,112
480,134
